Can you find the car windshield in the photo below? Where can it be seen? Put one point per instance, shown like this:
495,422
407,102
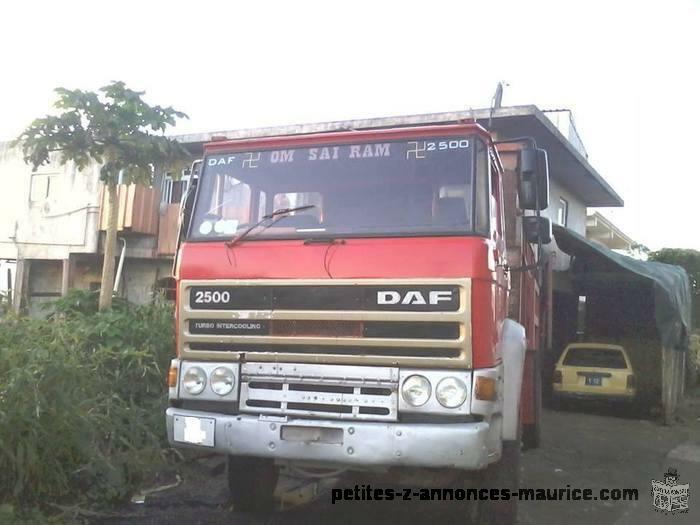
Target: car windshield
408,187
595,357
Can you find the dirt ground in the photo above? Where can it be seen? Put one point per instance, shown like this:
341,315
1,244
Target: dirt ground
583,446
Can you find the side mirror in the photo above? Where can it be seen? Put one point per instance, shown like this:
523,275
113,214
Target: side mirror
533,179
537,229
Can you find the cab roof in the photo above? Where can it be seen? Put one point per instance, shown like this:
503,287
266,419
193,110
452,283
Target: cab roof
568,165
344,137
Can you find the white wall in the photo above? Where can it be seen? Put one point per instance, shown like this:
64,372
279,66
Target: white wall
577,209
576,220
49,214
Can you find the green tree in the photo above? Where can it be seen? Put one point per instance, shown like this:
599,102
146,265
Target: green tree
114,128
638,251
690,261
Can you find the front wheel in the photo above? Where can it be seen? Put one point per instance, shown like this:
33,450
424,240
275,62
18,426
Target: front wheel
251,483
505,474
532,432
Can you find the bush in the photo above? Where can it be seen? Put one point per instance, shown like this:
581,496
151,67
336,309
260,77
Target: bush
82,396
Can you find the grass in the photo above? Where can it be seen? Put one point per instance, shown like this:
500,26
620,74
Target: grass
82,396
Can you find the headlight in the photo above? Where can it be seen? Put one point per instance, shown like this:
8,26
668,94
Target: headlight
194,380
416,390
451,392
222,380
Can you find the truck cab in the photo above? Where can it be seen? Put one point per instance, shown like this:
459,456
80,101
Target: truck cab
342,302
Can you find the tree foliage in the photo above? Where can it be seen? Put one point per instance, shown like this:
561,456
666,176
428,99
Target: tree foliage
115,128
638,251
690,261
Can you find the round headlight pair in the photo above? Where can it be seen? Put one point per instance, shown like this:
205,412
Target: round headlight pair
451,392
222,380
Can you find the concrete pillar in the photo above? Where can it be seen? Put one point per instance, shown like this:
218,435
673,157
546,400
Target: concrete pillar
21,283
67,276
672,381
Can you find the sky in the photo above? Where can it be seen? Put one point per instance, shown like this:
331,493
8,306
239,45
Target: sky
629,71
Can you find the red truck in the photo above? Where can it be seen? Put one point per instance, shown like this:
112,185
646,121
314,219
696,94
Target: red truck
343,303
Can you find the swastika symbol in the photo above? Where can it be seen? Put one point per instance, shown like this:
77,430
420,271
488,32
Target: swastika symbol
251,160
418,150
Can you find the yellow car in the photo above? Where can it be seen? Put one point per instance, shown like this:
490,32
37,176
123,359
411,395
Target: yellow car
594,371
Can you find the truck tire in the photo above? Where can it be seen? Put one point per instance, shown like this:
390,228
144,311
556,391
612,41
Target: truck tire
505,474
532,432
251,483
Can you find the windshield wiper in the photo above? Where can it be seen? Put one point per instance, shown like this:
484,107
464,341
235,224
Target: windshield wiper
276,215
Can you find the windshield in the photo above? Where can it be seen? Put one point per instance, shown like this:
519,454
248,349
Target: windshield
420,186
598,357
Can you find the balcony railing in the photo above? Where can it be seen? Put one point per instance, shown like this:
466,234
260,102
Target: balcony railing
167,229
138,209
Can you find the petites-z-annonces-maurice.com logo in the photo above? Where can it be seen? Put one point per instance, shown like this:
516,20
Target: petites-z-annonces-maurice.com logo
669,496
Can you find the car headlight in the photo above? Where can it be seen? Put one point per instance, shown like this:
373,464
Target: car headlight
222,380
416,390
194,380
451,392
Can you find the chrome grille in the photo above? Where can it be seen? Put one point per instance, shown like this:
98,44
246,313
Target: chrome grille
327,391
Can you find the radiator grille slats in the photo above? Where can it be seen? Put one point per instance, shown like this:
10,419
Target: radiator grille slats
320,391
335,321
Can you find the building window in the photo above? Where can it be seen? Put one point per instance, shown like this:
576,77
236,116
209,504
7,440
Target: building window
41,186
563,212
172,191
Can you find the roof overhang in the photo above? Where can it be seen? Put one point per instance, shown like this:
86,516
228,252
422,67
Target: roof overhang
567,165
601,230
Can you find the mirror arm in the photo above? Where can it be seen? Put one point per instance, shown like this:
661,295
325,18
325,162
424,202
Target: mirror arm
538,215
530,140
539,263
524,268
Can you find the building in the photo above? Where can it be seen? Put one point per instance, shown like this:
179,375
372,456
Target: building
51,224
603,231
52,221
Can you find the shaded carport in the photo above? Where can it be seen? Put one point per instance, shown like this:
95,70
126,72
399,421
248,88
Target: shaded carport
645,306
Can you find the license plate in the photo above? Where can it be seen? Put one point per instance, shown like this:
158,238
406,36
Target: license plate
194,430
594,381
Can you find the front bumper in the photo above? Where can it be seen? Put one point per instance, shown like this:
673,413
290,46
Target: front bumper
358,444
